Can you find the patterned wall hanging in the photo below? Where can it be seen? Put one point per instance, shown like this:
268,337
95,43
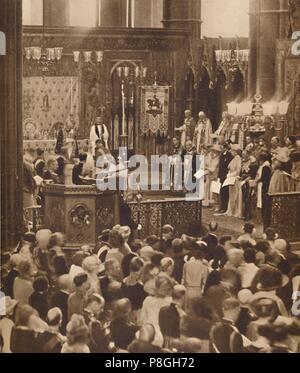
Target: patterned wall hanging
155,110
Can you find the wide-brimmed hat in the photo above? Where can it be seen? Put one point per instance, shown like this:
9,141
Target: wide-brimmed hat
270,278
125,231
147,252
262,305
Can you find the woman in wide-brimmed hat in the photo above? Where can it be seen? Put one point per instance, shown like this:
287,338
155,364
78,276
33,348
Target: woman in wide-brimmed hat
265,310
152,305
235,191
212,160
267,282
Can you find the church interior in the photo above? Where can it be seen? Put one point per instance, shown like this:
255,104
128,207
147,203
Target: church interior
194,106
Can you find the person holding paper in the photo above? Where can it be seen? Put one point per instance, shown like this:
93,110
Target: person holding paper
225,159
248,174
211,173
187,129
235,191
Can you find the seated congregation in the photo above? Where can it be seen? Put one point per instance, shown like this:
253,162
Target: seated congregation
200,293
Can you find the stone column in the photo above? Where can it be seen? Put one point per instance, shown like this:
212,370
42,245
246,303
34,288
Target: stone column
183,14
284,19
113,13
269,22
56,13
253,44
11,123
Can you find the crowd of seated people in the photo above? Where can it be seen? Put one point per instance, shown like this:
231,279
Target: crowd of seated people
201,293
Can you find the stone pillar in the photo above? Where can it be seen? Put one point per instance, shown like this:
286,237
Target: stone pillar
56,13
113,13
284,19
11,123
253,46
183,14
269,31
268,22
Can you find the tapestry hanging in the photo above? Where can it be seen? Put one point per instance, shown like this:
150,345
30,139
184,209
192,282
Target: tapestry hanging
155,110
47,101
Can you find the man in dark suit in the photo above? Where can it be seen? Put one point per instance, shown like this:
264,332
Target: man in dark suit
225,337
39,162
77,170
60,299
225,158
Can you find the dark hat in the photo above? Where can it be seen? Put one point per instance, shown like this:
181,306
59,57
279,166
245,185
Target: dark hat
270,278
40,283
248,227
78,258
80,279
29,237
104,235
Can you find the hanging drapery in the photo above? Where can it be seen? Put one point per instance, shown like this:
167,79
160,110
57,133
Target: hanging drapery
46,101
155,110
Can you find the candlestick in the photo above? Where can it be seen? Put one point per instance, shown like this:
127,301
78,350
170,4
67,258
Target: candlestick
123,109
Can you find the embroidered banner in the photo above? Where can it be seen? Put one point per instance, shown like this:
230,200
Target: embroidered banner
46,101
155,109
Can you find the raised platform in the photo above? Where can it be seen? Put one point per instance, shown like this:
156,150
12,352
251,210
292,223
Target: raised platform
82,212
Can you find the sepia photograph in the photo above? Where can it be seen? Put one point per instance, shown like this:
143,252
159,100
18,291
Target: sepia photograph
150,179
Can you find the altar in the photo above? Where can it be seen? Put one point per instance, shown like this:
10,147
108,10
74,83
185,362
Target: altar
158,209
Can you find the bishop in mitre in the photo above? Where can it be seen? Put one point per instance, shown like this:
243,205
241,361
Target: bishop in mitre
203,132
187,129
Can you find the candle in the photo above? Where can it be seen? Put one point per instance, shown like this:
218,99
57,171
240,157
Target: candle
123,110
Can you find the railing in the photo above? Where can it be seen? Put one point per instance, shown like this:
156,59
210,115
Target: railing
286,215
